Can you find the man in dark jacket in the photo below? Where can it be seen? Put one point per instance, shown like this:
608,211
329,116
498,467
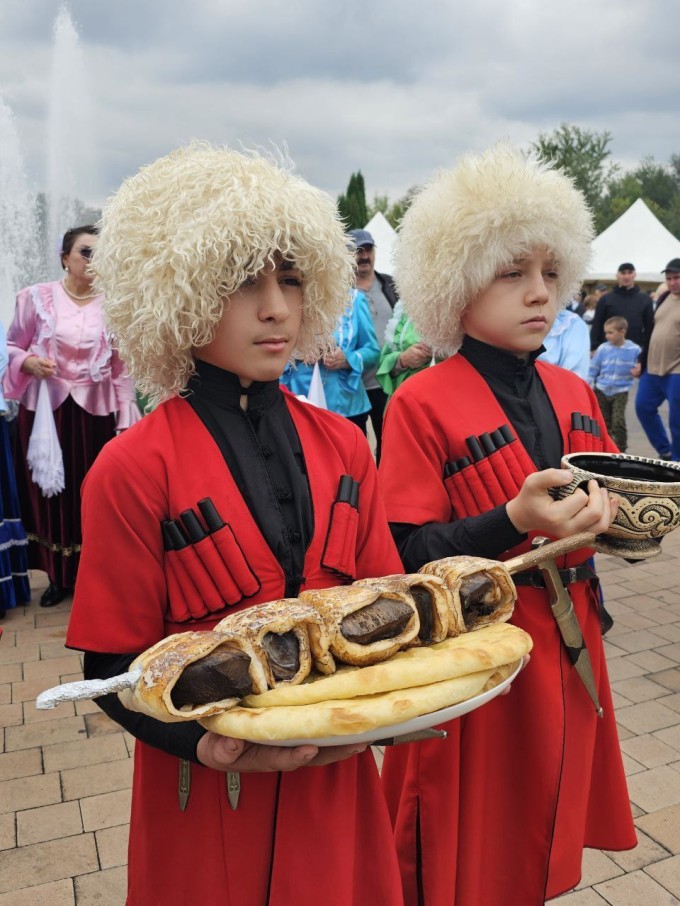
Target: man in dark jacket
382,297
626,301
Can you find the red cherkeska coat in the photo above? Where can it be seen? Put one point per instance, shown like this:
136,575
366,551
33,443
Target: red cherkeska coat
499,813
315,835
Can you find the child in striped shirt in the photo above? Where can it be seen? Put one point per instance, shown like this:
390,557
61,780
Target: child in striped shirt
612,369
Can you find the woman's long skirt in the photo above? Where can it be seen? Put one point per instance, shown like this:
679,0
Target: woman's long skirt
14,585
53,523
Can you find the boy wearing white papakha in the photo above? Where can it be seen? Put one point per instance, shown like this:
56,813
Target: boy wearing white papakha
219,267
499,813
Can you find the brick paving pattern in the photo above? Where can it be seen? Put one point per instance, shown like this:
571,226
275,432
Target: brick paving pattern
65,775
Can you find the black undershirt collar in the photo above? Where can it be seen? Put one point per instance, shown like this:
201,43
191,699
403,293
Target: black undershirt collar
262,450
489,360
519,391
223,388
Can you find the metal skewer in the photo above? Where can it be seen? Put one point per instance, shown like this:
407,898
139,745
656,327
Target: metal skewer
542,557
85,689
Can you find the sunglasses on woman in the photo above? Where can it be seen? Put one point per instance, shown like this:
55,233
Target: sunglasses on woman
86,252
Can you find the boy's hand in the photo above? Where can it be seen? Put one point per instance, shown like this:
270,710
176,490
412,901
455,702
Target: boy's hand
535,510
223,753
636,370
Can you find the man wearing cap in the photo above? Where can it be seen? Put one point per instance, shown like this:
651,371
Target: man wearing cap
661,378
626,301
382,297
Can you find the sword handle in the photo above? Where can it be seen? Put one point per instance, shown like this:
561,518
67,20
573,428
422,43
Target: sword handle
416,736
549,551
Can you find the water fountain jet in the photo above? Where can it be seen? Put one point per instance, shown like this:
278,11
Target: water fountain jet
70,143
18,224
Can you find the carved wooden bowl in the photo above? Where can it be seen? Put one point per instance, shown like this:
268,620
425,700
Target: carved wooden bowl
649,498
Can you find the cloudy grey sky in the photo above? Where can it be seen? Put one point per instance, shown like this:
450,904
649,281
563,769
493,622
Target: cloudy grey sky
394,88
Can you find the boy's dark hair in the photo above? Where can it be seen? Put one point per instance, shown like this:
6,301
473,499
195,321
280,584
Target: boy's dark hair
71,235
617,322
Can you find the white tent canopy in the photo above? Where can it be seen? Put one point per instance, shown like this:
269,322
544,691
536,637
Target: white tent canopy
639,237
385,238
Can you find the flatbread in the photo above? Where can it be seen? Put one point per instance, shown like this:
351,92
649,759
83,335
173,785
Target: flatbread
492,647
349,716
434,629
454,569
336,603
162,665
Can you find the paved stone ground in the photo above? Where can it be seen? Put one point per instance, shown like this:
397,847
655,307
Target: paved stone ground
65,775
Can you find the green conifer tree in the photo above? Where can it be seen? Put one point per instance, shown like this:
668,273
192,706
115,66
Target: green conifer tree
352,204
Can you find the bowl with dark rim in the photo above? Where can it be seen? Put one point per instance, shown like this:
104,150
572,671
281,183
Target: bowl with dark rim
649,498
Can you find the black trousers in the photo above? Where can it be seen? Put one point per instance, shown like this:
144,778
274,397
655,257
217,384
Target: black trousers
378,400
359,420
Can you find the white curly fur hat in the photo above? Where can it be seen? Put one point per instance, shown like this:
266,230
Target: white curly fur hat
185,232
470,222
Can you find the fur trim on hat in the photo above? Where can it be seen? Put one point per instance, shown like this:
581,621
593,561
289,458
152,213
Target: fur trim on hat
184,233
470,222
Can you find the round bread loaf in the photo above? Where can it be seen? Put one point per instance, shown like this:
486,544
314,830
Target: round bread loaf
355,715
495,646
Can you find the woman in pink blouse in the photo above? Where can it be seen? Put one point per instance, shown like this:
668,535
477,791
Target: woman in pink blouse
58,335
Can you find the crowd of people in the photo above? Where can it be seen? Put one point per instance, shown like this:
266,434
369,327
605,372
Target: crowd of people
603,336
485,325
606,337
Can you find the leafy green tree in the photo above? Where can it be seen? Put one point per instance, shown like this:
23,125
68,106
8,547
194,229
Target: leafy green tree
582,154
352,204
585,156
393,211
657,182
658,185
672,217
380,204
